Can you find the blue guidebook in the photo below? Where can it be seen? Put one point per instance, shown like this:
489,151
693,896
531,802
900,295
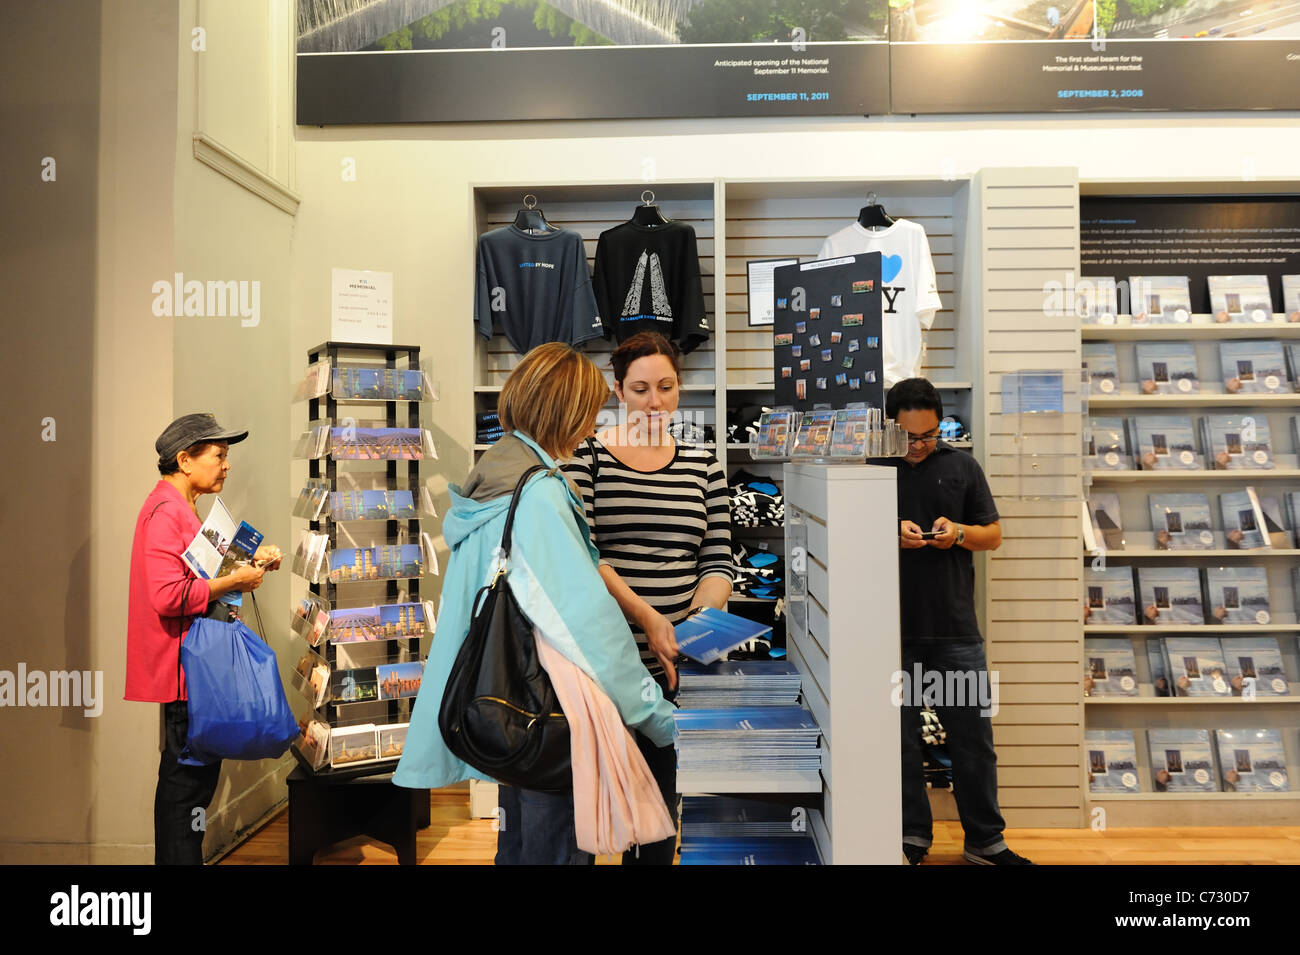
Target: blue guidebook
1181,522
1252,761
1165,442
1110,595
1103,367
1253,367
1237,595
1108,445
1196,667
1109,667
1243,520
1254,663
1112,761
1170,596
750,851
1167,368
1238,442
711,634
1182,761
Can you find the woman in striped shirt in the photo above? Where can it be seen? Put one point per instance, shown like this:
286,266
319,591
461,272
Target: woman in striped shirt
659,517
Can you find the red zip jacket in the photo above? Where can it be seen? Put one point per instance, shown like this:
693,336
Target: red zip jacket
156,619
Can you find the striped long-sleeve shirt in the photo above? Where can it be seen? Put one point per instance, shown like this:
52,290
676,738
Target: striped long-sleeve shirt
663,531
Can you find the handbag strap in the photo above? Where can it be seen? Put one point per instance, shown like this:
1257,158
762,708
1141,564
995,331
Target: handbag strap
514,503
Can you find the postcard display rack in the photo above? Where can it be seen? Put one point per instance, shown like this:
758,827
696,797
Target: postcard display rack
1133,496
344,777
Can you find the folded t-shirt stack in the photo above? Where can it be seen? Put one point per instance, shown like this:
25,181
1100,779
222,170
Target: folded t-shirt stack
487,428
755,501
758,573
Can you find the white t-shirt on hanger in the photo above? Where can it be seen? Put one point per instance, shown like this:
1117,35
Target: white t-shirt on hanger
910,294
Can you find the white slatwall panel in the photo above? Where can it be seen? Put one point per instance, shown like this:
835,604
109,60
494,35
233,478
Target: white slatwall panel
773,226
1030,236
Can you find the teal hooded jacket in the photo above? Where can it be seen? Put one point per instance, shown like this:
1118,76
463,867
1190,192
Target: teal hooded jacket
552,572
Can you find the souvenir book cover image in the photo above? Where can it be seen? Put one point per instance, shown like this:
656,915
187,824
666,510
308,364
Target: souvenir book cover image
1243,520
1112,761
1253,367
1166,443
1254,663
1181,522
1243,299
1170,596
1238,442
1252,760
1109,667
1167,369
1237,595
1103,367
1106,520
1196,666
1109,595
1160,299
1097,300
1108,446
1182,761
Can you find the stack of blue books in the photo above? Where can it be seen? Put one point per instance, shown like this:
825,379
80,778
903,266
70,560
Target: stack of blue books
749,748
738,683
723,830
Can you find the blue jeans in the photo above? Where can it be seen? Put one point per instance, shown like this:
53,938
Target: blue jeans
536,828
970,745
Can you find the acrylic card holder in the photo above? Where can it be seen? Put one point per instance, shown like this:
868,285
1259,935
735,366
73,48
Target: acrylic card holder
849,434
813,439
311,619
315,383
314,743
311,678
776,432
377,383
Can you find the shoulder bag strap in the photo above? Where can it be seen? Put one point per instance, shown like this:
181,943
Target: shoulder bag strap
514,503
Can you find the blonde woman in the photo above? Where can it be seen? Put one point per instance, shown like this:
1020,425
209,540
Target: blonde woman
547,407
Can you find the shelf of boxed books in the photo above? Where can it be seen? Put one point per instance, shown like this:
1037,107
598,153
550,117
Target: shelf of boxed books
1201,327
1130,397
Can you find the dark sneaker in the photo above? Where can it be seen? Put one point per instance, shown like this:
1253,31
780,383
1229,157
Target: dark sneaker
914,853
1005,857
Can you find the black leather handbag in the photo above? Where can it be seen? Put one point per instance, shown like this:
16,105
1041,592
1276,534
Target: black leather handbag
499,712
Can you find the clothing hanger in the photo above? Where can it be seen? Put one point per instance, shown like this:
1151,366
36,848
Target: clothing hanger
873,214
531,219
648,214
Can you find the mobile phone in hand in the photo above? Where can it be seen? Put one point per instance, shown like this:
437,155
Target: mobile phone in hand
929,535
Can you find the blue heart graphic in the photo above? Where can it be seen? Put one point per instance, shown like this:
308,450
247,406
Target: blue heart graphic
890,266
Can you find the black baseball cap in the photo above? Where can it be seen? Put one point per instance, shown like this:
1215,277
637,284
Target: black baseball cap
189,430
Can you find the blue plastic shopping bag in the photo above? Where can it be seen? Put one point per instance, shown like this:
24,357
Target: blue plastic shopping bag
237,705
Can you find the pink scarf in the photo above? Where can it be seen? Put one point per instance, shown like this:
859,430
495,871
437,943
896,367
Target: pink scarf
616,801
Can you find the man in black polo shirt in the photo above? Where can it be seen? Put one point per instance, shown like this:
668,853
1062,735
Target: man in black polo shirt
945,512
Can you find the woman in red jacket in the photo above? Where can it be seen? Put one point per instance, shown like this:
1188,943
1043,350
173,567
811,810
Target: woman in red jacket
165,597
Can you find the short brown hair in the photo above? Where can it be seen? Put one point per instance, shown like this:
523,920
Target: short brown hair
553,396
639,346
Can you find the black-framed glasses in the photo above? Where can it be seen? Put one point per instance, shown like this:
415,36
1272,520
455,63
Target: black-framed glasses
922,439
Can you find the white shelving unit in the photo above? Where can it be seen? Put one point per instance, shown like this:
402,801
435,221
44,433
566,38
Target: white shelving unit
847,665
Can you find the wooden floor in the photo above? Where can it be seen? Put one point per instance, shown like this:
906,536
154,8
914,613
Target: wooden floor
455,839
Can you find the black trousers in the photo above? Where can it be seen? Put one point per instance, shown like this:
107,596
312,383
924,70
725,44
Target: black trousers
177,828
662,761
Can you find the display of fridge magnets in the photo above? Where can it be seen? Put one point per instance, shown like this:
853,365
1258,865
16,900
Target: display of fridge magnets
873,342
855,384
801,327
869,375
815,341
853,318
854,344
785,371
782,302
847,362
814,313
821,384
865,286
801,388
796,351
805,364
841,379
826,354
786,339
837,300
835,337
